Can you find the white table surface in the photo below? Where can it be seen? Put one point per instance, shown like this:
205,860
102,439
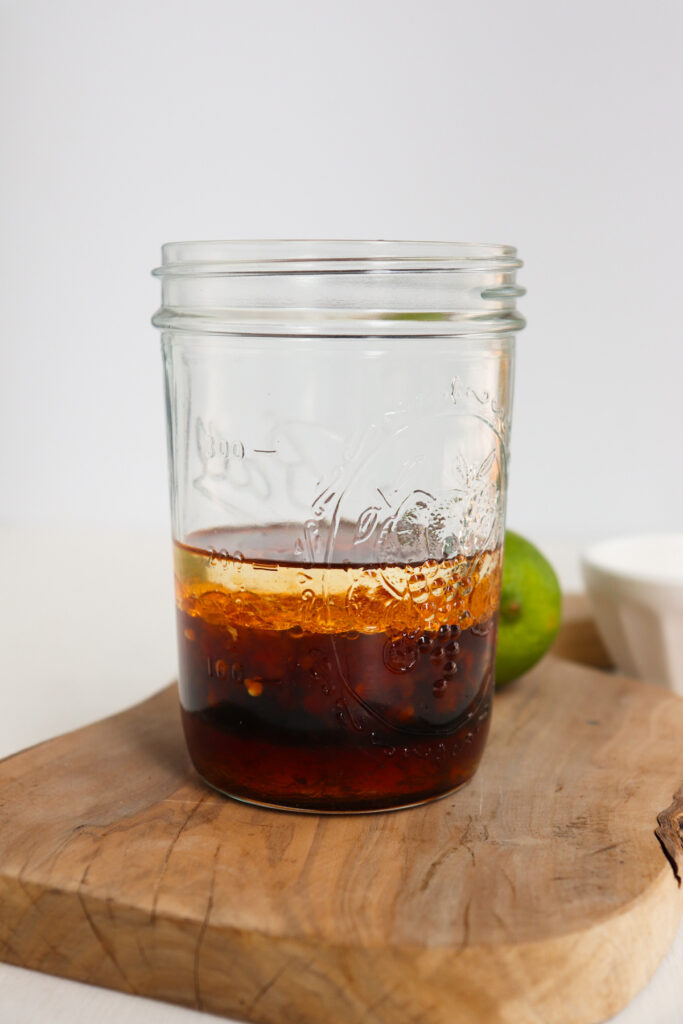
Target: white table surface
88,629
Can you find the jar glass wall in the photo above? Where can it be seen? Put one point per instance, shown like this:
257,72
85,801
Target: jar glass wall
338,424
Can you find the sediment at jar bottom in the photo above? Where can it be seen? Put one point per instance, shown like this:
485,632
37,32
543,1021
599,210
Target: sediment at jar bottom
318,717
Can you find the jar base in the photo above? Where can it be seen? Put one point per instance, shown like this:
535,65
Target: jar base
329,811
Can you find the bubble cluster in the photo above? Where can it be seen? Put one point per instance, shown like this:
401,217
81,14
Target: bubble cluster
395,599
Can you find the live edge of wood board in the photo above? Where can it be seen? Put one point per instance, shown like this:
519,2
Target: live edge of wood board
539,892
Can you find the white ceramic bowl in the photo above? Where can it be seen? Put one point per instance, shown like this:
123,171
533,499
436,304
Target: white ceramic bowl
635,586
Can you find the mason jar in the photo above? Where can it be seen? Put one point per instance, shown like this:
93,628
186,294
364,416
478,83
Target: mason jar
338,431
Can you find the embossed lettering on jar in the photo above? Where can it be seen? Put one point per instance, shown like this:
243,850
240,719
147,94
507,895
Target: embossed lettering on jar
338,418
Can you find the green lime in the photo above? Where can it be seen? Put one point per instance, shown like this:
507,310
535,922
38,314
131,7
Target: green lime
530,608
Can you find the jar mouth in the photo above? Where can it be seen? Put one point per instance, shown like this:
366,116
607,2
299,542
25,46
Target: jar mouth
345,288
331,256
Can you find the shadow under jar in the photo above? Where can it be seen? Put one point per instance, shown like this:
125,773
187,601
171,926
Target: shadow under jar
338,422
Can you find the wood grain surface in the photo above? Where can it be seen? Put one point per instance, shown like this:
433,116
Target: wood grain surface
538,893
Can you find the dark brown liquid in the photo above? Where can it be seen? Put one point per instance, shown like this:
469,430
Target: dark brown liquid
337,688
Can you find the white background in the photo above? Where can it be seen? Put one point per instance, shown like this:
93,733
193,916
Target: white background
555,127
552,126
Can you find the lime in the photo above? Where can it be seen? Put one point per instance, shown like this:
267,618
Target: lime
530,608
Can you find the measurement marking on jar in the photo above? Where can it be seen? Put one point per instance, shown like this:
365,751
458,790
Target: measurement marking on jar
264,451
214,445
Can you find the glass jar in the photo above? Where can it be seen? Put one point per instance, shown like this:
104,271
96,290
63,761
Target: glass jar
338,424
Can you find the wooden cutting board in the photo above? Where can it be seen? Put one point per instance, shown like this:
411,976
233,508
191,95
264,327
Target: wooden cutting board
538,893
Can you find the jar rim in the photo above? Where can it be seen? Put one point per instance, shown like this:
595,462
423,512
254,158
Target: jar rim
343,288
331,256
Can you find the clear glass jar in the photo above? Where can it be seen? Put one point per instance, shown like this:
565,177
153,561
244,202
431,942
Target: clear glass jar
338,424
